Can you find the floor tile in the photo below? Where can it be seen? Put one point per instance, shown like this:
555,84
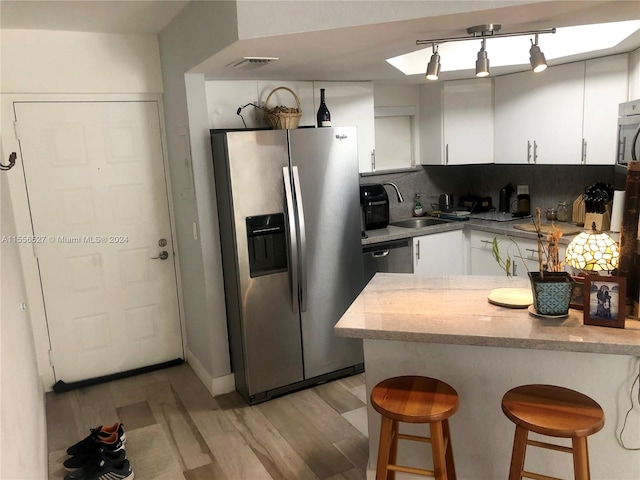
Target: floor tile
136,415
341,399
211,471
151,455
358,418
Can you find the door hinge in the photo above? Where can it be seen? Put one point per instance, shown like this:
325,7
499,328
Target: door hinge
16,129
51,362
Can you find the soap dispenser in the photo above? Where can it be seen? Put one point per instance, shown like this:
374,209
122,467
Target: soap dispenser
417,206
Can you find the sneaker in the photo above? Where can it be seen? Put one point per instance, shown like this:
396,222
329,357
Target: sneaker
111,443
107,470
90,466
87,445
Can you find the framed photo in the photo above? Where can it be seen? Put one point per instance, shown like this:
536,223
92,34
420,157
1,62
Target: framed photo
604,301
577,293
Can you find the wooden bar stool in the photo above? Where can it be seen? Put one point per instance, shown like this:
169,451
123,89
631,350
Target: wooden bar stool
415,399
555,412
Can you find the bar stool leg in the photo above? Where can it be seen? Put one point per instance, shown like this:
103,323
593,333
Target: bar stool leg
448,455
384,448
393,454
437,447
580,458
518,453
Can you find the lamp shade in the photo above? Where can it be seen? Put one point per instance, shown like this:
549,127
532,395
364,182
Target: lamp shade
433,69
538,62
592,251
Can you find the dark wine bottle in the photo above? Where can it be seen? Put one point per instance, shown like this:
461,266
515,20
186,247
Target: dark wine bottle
324,117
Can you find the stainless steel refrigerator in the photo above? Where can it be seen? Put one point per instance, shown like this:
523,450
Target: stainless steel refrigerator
289,213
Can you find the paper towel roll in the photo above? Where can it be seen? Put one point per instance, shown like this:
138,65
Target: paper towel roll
616,210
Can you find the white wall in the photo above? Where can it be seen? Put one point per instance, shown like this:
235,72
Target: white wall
199,31
634,75
78,62
23,440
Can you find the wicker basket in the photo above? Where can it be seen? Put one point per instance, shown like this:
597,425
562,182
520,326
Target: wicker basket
281,117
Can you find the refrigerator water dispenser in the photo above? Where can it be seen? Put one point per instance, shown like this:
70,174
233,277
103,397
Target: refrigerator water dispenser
267,244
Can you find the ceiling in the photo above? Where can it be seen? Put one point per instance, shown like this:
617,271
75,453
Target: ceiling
354,53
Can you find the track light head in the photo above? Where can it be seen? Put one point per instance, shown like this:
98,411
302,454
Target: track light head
433,69
536,57
482,63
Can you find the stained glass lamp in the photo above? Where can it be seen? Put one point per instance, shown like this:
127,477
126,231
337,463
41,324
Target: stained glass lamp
593,251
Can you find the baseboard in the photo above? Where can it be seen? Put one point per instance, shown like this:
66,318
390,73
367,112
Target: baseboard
215,385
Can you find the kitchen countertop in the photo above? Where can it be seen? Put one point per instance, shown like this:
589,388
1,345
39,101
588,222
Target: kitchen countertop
499,228
454,310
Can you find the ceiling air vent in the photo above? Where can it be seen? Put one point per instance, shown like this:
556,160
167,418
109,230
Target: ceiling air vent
252,62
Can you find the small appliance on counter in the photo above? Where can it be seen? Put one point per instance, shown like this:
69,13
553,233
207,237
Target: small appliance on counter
504,206
524,201
375,206
475,203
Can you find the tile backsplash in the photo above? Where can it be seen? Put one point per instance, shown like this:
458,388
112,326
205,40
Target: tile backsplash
548,184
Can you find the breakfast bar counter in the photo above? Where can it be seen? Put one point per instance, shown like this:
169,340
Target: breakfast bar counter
444,327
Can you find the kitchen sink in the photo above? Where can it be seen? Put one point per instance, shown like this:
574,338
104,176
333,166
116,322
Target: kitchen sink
418,222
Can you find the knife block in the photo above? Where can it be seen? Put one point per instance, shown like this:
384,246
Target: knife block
602,220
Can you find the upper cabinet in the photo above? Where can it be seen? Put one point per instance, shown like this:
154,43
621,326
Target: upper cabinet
468,122
351,103
605,86
538,116
457,122
566,115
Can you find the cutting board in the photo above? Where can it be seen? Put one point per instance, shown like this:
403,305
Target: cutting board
565,228
511,297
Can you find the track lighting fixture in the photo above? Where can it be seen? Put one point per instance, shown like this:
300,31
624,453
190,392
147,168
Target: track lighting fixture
482,63
536,57
433,69
538,62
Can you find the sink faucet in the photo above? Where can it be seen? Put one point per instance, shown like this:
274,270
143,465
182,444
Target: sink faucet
400,198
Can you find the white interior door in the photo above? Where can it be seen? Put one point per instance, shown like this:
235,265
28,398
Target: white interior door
98,198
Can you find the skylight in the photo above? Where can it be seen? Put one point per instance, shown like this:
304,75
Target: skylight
505,51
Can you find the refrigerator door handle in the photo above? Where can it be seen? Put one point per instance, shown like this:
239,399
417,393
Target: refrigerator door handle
293,239
303,240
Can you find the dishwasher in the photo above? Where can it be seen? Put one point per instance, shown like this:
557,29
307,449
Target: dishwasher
393,256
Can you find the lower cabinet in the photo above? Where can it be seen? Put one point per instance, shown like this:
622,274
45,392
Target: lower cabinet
524,255
439,254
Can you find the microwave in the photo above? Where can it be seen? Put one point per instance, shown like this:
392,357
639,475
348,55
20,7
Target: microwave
628,130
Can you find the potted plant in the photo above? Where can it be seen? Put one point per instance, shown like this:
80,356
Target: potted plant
550,286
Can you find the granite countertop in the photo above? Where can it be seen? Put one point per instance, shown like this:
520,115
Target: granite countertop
454,310
497,228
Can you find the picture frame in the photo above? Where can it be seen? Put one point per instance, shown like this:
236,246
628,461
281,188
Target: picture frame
577,293
604,301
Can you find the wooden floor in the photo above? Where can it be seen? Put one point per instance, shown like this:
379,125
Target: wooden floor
176,430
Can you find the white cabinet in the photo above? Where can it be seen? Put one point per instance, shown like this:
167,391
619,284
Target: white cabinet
439,254
606,85
456,120
351,103
538,116
468,122
523,253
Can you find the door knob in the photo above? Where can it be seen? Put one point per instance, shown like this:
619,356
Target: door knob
163,256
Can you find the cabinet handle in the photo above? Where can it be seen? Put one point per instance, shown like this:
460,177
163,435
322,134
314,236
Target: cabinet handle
515,269
535,152
584,155
528,151
380,253
373,160
487,242
417,250
621,146
446,154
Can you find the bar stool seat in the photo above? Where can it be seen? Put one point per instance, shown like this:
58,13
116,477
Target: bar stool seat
555,412
415,399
